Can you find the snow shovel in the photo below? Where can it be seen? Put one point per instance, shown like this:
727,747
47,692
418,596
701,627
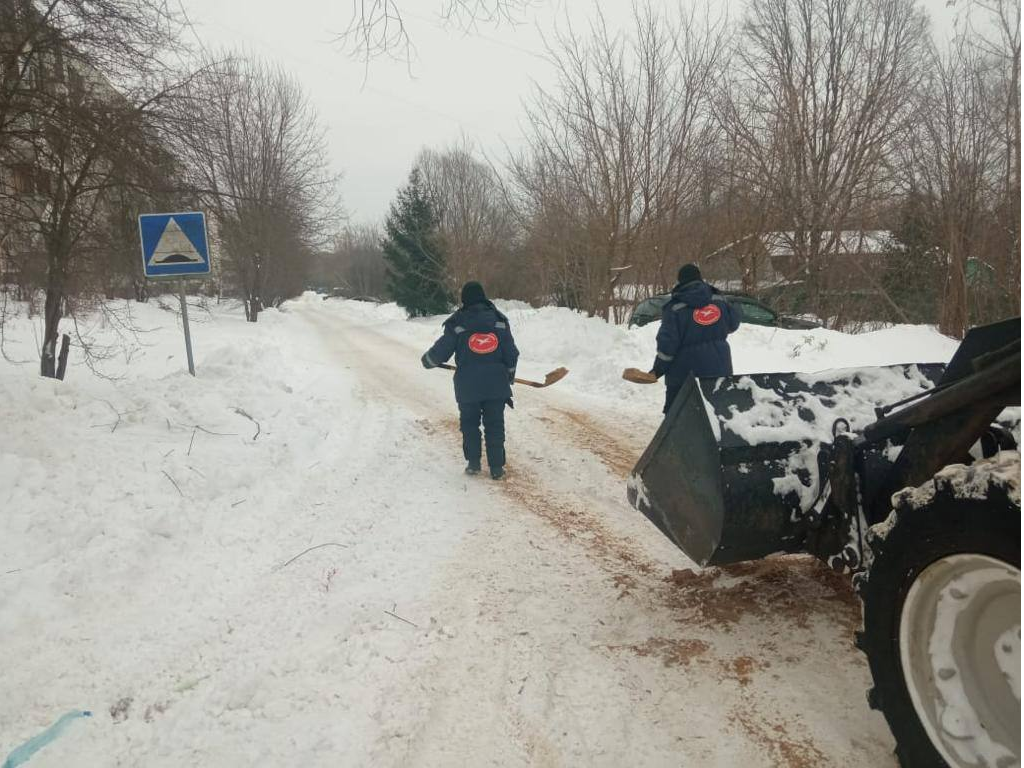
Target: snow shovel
637,376
550,378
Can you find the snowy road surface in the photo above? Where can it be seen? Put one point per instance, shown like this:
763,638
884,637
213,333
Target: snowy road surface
149,573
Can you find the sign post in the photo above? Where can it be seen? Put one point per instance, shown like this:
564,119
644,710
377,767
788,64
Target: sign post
175,245
184,323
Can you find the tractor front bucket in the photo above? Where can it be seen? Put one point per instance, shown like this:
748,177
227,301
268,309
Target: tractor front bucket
737,468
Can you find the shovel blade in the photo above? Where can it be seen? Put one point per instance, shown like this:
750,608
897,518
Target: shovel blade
636,376
551,378
554,376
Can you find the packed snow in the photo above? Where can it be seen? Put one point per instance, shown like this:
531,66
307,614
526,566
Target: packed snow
969,482
803,410
279,561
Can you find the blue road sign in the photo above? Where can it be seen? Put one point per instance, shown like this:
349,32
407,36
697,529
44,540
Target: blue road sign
174,244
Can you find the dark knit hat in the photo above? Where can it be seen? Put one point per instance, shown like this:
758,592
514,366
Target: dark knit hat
473,293
689,273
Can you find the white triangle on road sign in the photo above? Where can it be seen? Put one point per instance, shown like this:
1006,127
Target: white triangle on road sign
174,247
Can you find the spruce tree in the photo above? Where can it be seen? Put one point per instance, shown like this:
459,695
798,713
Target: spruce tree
413,249
915,268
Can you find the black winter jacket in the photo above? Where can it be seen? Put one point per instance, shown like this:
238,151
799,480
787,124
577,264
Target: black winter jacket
692,338
485,353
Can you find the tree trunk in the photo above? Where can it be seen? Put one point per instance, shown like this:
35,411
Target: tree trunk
51,320
62,360
954,305
1014,188
253,307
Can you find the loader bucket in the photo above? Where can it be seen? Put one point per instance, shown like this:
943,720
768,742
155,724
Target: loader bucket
733,472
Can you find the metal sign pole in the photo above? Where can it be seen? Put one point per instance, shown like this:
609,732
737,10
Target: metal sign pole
184,323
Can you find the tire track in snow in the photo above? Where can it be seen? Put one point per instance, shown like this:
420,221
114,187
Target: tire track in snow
567,514
382,379
619,455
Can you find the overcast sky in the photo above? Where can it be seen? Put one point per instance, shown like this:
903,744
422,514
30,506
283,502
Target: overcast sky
461,85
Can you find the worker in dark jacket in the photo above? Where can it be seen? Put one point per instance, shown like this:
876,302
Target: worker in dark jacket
692,339
485,365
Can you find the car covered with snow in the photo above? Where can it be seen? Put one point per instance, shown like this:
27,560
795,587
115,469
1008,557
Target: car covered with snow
754,312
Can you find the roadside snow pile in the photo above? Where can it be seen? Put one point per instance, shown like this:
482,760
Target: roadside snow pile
759,349
96,466
136,513
596,352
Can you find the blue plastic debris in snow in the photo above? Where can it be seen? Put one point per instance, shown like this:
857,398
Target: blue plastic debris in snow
33,745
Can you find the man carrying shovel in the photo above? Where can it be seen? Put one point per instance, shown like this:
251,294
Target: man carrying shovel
485,356
692,339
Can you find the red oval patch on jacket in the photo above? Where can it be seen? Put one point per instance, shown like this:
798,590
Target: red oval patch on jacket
708,315
483,343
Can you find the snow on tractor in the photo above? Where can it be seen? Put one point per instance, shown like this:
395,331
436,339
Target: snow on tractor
908,477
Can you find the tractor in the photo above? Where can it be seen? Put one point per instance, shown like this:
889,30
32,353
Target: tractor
907,477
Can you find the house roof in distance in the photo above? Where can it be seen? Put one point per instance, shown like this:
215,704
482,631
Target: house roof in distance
849,241
781,243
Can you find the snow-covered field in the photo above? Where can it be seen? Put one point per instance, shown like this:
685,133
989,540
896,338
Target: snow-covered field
279,562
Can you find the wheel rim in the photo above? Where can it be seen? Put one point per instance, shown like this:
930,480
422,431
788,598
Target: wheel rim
960,657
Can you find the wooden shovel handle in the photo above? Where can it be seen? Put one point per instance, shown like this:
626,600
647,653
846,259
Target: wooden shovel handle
550,378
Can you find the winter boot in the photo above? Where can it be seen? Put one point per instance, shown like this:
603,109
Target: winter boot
472,469
497,473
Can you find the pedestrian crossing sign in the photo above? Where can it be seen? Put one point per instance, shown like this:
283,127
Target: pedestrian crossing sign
174,244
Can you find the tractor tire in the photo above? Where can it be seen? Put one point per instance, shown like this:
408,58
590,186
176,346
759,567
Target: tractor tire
941,602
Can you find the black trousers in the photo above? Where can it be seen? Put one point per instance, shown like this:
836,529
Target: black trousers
670,396
492,413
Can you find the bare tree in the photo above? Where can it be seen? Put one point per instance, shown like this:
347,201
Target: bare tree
377,28
50,46
256,157
952,157
472,216
83,155
1003,49
615,167
356,264
820,91
80,106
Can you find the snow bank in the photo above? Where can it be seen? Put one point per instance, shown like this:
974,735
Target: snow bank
596,352
135,514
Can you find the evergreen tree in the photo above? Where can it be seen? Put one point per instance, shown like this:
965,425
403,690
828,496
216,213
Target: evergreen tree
414,252
913,276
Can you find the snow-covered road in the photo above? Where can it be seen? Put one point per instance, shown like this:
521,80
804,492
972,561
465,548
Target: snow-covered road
447,621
